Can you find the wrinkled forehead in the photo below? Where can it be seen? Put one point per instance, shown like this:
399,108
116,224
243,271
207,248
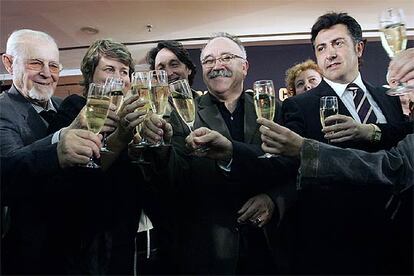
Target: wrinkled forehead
164,56
219,46
40,49
326,36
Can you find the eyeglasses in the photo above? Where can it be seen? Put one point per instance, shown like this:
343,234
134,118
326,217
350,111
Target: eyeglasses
37,65
224,59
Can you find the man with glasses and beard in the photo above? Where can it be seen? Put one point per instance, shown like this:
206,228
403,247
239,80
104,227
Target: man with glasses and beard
220,219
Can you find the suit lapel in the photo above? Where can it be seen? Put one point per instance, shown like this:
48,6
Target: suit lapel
250,125
383,101
210,116
24,108
324,89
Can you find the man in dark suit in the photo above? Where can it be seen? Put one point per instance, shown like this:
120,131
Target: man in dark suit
32,160
217,235
335,236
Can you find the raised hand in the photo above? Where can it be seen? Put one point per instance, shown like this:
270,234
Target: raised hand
131,114
219,147
76,146
341,128
154,128
278,139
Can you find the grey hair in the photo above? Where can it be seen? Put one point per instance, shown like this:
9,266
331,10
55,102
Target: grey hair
15,45
233,38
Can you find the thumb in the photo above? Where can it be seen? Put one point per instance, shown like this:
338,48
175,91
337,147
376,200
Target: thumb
209,137
201,131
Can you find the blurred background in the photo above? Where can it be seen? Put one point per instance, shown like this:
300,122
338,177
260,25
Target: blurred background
275,33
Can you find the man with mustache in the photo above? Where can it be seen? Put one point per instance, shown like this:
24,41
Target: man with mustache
220,219
335,236
37,240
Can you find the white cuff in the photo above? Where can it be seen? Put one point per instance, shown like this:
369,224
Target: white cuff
225,167
56,136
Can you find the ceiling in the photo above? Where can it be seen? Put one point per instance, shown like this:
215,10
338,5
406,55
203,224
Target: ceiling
256,21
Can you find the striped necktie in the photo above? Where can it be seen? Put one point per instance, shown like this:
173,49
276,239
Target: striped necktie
363,107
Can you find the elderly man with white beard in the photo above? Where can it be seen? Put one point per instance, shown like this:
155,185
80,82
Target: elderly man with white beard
32,160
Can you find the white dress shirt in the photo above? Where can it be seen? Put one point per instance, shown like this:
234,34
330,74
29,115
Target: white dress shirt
50,106
347,98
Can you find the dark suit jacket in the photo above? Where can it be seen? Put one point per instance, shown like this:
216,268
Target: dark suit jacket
49,207
301,114
23,133
340,226
207,198
111,223
29,166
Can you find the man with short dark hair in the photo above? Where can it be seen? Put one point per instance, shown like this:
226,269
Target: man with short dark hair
171,56
335,236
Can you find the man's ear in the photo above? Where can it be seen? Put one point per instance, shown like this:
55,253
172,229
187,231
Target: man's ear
8,63
245,67
360,48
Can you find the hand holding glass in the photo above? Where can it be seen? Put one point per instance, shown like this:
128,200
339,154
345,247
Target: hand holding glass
159,95
141,86
116,88
394,40
182,98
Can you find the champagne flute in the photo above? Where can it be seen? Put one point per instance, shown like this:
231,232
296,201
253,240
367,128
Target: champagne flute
159,95
97,108
141,86
264,103
394,40
328,107
183,102
182,98
116,88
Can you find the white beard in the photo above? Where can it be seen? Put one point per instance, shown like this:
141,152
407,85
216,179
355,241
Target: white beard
41,96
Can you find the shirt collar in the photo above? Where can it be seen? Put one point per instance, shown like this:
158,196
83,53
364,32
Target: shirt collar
49,107
340,88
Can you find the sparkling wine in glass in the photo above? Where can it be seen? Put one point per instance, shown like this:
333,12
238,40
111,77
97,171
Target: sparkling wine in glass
97,108
182,98
328,107
116,87
183,103
394,40
159,95
264,102
141,86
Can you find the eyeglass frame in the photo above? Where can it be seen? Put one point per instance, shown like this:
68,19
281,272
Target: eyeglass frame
42,62
221,59
59,66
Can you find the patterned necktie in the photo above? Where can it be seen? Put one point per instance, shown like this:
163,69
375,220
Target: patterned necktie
363,107
48,115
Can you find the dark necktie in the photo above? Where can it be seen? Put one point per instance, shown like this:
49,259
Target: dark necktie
363,107
48,115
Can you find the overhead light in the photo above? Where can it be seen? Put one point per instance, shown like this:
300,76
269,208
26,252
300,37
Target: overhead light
89,30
